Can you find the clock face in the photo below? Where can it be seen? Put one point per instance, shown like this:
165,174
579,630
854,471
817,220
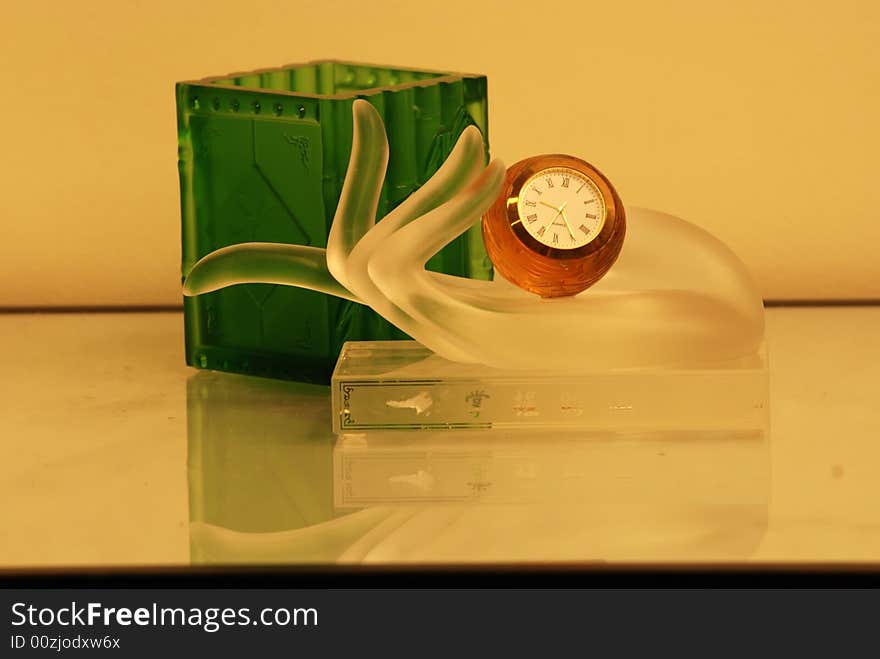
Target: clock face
561,208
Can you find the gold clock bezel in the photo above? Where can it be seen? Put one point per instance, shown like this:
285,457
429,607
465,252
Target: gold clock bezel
533,167
521,223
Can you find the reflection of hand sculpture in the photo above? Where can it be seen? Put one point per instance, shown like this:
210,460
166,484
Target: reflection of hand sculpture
676,296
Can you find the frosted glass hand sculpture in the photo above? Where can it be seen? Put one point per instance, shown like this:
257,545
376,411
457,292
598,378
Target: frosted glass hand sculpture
677,296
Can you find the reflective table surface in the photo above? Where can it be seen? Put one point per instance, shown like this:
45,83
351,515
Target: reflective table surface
114,453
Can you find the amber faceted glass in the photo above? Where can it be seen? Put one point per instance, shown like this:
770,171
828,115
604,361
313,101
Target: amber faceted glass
541,269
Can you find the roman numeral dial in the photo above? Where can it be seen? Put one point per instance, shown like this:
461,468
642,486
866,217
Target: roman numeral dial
561,208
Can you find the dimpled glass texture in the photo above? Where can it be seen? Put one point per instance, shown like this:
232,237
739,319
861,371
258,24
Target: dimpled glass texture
262,157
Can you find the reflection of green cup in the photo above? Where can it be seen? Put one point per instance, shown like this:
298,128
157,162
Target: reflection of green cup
260,453
263,156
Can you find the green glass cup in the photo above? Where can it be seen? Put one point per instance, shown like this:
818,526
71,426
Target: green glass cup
262,157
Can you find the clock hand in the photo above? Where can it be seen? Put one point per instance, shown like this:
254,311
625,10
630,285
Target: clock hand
550,206
567,224
560,211
553,219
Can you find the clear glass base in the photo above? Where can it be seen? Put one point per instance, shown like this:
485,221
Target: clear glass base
401,385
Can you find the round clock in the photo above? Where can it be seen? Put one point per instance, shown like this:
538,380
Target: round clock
557,226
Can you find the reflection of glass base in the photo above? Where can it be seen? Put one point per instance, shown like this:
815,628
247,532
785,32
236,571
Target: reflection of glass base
627,468
390,385
499,496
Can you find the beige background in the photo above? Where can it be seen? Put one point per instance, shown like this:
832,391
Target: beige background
756,120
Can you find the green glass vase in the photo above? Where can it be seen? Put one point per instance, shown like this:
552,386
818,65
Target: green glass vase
262,157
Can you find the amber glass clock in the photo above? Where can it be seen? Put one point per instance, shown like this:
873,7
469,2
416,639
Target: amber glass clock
557,227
